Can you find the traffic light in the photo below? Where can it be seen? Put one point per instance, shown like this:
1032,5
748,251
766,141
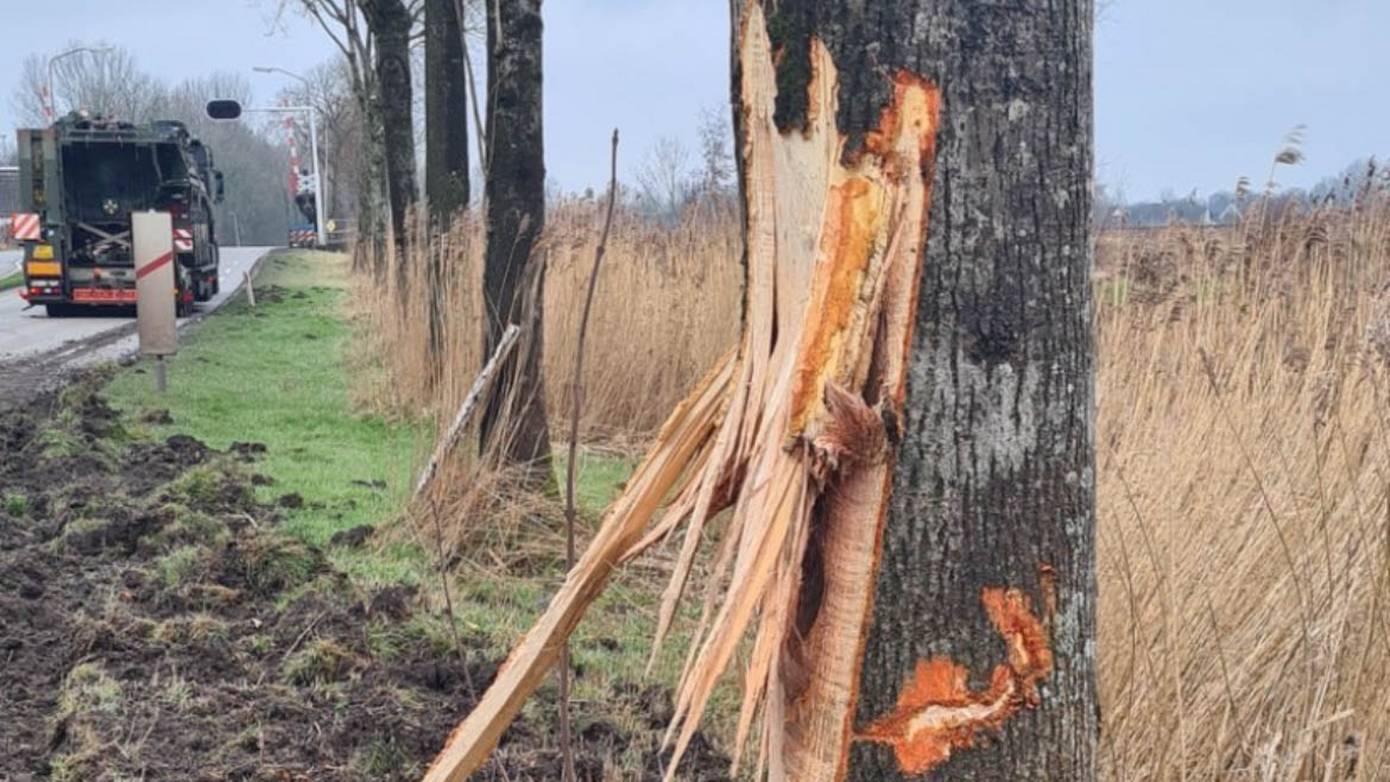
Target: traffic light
224,109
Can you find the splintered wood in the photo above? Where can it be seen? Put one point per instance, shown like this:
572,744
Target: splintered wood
788,432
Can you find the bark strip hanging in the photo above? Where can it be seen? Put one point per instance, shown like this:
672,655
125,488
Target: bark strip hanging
792,433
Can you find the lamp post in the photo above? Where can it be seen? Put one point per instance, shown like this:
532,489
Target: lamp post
313,146
52,101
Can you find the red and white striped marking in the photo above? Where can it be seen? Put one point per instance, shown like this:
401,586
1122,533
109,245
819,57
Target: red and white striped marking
183,240
152,266
25,227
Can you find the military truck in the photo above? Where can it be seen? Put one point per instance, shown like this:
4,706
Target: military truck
81,179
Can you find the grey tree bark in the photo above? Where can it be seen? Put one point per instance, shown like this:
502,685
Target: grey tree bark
515,418
446,141
390,22
446,111
995,478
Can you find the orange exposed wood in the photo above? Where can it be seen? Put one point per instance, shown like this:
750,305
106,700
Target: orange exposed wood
938,713
855,217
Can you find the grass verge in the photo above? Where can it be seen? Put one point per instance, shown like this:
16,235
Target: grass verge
280,376
274,378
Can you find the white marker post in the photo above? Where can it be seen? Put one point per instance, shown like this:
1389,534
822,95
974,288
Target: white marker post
156,291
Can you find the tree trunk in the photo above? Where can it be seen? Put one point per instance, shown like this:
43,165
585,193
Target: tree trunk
515,419
446,112
371,178
992,519
389,21
916,218
446,142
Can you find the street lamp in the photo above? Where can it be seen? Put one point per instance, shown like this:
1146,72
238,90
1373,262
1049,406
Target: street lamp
52,101
313,146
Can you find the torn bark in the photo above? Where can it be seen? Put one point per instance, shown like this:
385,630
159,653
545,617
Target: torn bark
789,432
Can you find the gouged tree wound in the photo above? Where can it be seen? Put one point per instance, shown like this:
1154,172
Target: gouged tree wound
789,434
937,712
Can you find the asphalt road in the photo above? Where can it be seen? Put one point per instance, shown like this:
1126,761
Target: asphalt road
28,332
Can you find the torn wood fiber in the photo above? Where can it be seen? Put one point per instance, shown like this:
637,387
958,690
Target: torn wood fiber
787,434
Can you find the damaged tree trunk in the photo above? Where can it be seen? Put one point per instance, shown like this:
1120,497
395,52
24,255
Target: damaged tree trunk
986,593
797,433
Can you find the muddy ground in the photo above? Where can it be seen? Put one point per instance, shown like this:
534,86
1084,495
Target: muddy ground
156,625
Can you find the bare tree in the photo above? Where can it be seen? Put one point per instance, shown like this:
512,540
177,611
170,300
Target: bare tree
254,165
329,92
716,158
664,176
108,83
342,21
515,419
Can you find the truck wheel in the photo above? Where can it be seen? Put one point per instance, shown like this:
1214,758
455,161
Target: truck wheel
57,310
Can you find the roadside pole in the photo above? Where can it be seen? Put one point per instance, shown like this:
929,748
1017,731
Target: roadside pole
156,291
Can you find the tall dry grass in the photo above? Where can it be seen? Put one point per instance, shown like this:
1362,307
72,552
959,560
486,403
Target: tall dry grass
668,305
1243,448
1244,458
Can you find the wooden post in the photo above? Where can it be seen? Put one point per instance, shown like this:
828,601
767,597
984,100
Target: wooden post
451,437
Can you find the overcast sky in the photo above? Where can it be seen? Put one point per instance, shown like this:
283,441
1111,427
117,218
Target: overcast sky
1190,93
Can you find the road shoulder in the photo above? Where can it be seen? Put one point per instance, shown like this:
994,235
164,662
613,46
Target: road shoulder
29,376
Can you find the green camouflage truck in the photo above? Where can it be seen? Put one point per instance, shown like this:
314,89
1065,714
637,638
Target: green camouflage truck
81,179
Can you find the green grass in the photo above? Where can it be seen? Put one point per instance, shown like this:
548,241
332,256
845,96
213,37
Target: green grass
277,375
12,280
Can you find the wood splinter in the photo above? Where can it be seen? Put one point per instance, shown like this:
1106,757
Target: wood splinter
788,433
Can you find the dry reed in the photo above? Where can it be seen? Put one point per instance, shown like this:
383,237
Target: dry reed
1243,453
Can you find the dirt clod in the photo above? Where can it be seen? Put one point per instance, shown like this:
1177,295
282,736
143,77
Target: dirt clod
157,417
351,538
156,624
